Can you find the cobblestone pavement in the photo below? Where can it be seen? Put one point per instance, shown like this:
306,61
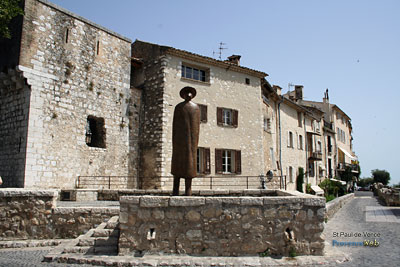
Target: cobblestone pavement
351,221
29,257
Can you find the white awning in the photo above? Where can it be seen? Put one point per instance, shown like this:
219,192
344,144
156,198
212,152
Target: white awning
347,153
318,191
342,182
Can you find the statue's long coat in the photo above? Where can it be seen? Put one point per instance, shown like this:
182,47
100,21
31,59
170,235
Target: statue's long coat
185,138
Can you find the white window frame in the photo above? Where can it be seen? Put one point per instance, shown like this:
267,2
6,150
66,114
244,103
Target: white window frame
227,116
228,161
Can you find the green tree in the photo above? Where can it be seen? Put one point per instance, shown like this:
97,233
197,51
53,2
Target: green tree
347,175
300,180
8,10
381,176
363,182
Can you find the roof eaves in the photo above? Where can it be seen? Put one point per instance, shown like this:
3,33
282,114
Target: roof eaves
214,62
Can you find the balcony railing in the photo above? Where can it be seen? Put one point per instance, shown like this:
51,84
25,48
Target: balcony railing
199,183
342,167
317,155
329,125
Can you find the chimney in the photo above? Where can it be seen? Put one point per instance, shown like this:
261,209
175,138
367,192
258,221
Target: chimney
326,96
277,89
235,59
299,92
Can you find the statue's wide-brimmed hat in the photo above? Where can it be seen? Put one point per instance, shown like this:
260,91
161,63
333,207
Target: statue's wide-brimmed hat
184,91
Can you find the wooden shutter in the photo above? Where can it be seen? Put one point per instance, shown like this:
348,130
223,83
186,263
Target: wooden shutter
235,115
238,162
219,116
203,113
218,161
206,161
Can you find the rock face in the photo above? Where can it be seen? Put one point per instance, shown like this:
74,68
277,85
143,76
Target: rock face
222,226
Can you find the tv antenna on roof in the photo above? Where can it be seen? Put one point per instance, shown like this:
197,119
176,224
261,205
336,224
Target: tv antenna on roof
221,47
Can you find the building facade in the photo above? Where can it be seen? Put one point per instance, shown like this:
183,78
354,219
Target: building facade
64,104
229,95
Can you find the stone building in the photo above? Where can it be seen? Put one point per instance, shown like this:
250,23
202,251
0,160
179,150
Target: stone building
64,101
231,130
338,139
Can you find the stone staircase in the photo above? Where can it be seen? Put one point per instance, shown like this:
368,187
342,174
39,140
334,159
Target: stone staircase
102,240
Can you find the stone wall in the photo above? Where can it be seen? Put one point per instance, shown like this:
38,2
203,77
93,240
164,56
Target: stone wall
334,206
15,96
390,196
73,69
222,226
151,121
33,214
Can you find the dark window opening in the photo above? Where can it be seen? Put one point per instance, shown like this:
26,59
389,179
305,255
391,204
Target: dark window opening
203,160
95,132
247,81
97,47
203,113
66,36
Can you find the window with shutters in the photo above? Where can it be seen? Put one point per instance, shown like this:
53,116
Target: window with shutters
267,125
203,160
291,174
299,119
290,139
228,161
203,113
300,142
227,117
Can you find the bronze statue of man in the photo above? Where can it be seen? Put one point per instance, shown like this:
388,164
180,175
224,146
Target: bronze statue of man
185,138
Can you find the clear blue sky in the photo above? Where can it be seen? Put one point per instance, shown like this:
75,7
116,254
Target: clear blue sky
350,47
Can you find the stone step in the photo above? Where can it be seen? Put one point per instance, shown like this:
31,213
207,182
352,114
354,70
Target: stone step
82,250
105,242
105,232
112,223
106,250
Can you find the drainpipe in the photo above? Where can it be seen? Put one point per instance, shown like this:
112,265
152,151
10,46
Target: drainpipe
280,141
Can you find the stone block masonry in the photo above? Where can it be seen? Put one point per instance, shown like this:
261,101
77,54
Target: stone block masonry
222,226
65,106
33,214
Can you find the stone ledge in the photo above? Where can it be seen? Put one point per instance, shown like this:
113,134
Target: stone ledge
19,192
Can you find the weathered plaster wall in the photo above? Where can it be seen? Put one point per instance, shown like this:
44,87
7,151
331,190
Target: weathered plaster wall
71,78
291,156
225,89
222,226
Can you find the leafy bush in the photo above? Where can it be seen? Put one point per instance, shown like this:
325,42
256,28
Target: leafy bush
381,176
332,188
308,188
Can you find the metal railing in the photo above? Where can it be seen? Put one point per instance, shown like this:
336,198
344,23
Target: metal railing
166,182
343,166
